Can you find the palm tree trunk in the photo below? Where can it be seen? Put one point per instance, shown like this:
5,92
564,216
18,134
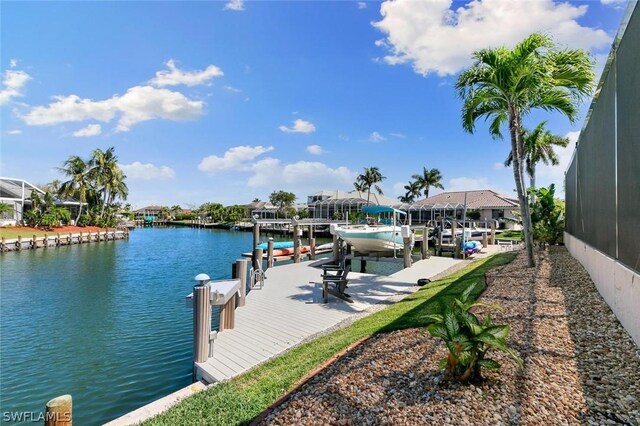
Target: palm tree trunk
104,203
517,149
368,195
533,178
80,209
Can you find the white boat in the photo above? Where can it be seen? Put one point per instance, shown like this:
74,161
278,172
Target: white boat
375,236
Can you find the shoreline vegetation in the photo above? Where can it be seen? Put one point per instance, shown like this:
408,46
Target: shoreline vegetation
241,399
10,232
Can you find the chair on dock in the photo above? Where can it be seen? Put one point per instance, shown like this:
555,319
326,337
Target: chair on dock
340,281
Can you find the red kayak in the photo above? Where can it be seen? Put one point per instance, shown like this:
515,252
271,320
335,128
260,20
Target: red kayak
289,251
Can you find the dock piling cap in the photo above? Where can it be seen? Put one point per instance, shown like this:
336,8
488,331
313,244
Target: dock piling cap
202,277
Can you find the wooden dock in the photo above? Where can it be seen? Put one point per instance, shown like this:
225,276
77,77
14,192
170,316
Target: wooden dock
289,310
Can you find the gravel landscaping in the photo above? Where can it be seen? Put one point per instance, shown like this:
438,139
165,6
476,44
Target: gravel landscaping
581,367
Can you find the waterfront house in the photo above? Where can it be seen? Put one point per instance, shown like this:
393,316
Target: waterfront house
340,204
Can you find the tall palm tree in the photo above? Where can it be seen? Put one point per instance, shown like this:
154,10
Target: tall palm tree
538,147
413,191
504,85
79,183
428,179
103,168
370,178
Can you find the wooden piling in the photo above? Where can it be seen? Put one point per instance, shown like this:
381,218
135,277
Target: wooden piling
407,252
312,248
19,243
227,315
296,243
484,239
4,246
256,241
241,273
80,240
363,265
259,256
201,323
34,242
335,248
424,250
492,240
270,253
59,411
456,248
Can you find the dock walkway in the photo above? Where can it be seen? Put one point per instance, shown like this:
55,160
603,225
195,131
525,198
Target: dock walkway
289,310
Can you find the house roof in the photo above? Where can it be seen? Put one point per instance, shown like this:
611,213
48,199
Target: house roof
482,199
375,198
148,209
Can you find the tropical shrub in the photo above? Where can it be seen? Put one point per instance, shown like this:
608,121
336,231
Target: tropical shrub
32,217
54,216
547,215
469,339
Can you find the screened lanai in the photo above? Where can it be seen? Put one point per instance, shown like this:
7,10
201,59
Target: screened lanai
340,208
422,213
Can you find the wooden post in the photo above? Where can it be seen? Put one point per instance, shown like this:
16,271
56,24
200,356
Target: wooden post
310,234
456,248
259,255
241,273
58,240
81,238
19,243
270,253
296,243
4,247
34,242
425,242
312,248
407,252
59,411
201,322
363,265
256,241
227,315
484,239
492,241
454,230
335,248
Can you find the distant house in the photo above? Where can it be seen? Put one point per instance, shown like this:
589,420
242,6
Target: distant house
490,205
148,211
263,209
340,204
17,194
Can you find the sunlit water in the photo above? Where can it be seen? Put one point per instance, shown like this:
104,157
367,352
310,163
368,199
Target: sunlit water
106,322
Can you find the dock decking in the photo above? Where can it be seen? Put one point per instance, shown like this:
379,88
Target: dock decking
289,309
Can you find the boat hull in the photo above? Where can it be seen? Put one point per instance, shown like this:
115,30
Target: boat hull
373,239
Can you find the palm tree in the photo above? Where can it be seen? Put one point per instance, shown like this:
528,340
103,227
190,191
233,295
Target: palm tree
79,183
370,178
103,170
428,179
538,147
413,191
504,85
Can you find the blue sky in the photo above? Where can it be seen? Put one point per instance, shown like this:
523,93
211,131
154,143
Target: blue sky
214,101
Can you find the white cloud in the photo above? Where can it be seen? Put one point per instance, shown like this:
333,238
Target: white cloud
14,132
376,137
238,157
301,178
499,165
613,2
435,38
236,5
90,130
148,171
13,63
362,5
467,184
315,150
231,89
12,82
175,76
139,103
398,135
299,126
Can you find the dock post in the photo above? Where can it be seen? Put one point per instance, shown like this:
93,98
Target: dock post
227,315
58,239
492,241
312,248
58,411
456,248
19,243
363,265
259,256
407,252
241,274
310,234
3,249
201,321
256,241
425,242
34,242
484,239
335,248
296,243
270,253
80,240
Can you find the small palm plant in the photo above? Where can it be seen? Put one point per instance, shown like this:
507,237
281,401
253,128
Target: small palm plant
469,339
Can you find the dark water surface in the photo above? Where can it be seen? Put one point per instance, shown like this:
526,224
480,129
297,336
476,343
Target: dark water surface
106,322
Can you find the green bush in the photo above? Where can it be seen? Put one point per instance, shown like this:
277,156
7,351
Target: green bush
32,217
547,215
469,339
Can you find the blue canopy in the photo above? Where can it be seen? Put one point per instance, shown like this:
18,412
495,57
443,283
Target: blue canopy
381,209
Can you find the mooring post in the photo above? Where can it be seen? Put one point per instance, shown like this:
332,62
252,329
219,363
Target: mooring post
81,238
310,234
312,248
456,249
259,256
296,242
484,239
407,252
241,274
19,243
201,320
335,248
493,233
270,253
256,241
58,411
3,245
34,242
425,242
363,265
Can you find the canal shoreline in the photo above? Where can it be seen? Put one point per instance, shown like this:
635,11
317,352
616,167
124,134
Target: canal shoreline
57,239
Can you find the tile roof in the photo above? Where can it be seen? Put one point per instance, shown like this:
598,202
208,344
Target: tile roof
482,199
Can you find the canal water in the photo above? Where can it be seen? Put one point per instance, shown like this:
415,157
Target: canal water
106,322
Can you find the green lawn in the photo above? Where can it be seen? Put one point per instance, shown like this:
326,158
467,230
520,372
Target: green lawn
244,397
510,235
9,233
